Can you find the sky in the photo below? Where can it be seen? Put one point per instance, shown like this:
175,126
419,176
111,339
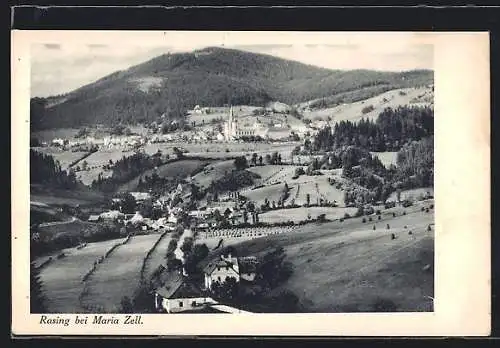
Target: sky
60,68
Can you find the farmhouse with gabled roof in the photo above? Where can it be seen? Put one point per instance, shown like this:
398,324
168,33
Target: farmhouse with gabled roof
177,294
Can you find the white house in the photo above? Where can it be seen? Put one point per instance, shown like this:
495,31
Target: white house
58,142
140,196
111,215
177,294
137,218
220,270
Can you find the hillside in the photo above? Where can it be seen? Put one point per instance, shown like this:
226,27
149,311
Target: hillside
172,83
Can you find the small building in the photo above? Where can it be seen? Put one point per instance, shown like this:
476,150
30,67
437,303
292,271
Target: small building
94,218
177,294
112,215
220,270
140,196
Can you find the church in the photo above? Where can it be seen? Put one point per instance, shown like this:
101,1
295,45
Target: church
234,129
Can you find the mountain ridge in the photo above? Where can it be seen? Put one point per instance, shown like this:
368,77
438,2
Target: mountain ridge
172,83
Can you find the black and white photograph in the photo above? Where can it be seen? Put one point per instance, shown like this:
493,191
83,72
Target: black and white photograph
270,178
165,180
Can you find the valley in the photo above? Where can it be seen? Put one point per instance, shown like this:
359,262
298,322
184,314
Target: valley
312,188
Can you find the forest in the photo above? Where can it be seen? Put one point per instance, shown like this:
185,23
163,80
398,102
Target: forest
407,130
47,171
393,128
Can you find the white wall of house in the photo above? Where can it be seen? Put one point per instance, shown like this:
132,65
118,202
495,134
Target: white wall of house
178,305
220,275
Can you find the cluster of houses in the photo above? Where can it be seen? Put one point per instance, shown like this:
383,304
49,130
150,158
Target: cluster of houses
176,293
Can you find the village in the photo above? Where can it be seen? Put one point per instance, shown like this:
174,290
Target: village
217,212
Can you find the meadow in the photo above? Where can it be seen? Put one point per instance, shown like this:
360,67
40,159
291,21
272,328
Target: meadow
213,172
62,278
65,158
119,274
353,111
349,267
387,158
304,213
177,169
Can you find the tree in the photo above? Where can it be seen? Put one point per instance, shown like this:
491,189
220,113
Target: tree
254,158
268,159
226,290
308,199
260,160
128,204
126,305
240,163
37,299
174,264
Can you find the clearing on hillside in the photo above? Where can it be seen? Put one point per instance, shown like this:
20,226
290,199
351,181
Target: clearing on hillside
354,111
387,158
176,169
213,172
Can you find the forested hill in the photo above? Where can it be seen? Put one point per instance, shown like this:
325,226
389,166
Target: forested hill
172,83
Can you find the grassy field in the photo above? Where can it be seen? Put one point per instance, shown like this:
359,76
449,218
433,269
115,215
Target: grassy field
50,134
119,274
102,157
62,279
213,172
272,174
177,169
65,158
387,158
88,176
157,256
234,236
301,214
352,112
349,267
58,197
271,192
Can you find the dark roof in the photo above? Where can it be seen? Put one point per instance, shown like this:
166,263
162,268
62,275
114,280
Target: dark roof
175,285
213,265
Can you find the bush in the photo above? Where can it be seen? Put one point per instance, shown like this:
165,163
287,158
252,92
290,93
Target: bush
367,109
378,212
379,217
363,220
370,219
347,216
